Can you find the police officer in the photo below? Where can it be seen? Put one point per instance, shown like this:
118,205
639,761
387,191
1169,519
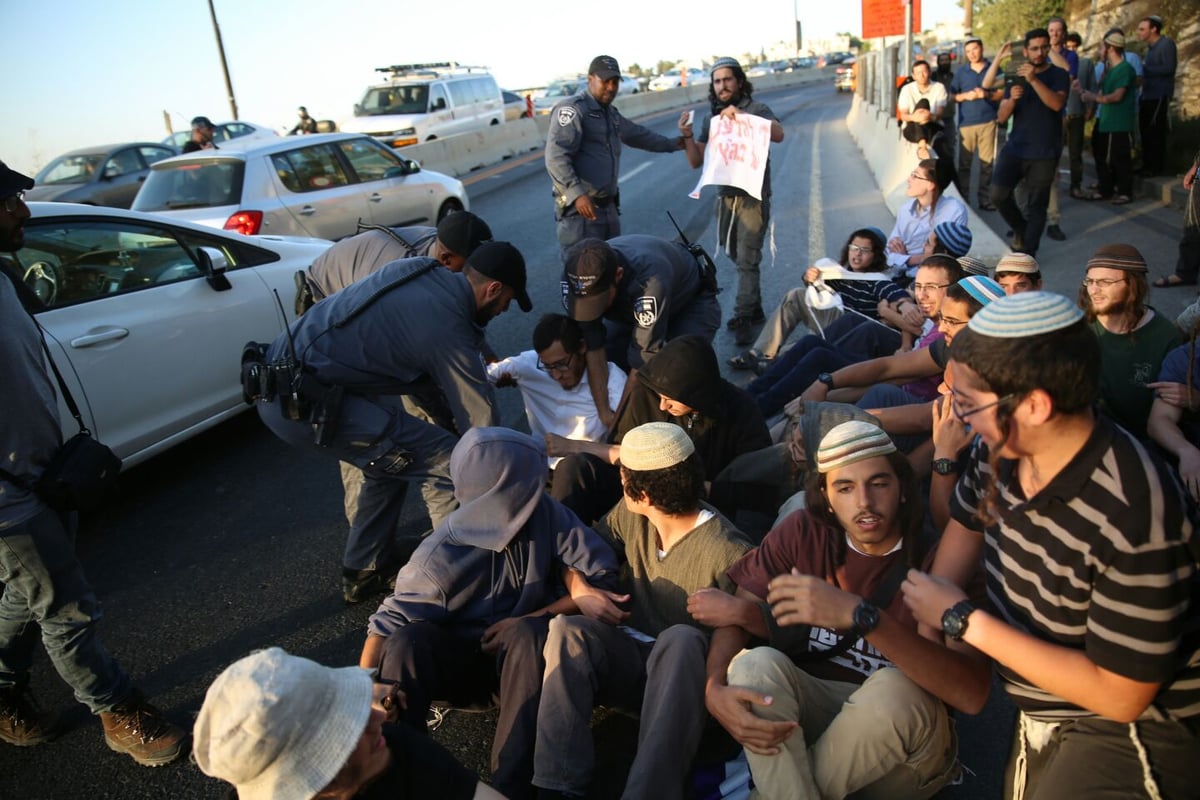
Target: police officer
342,367
741,220
583,155
355,257
630,295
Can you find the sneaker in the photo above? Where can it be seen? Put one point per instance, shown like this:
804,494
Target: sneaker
139,729
21,722
361,584
1056,233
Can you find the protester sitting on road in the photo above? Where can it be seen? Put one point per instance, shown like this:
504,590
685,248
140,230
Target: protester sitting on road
682,385
949,238
552,379
915,220
846,696
1089,548
1174,422
280,726
1134,338
470,610
864,253
815,359
920,106
1018,272
672,544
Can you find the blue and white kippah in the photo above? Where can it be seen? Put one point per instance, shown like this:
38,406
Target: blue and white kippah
982,288
1026,314
954,236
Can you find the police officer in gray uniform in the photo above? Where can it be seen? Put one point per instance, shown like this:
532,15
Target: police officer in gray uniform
583,155
741,220
340,371
355,257
630,295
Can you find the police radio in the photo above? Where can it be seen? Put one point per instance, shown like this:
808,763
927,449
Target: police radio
708,270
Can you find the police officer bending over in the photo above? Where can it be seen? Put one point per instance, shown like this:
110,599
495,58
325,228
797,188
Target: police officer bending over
583,155
631,295
339,372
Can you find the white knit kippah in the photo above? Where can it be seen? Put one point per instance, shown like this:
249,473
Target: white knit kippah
850,442
655,445
1018,262
1026,314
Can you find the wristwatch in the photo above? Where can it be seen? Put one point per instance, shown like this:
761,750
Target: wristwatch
945,466
954,620
866,618
826,379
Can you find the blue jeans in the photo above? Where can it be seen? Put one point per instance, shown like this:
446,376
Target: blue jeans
792,372
45,588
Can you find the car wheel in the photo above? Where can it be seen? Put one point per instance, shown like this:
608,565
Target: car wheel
448,208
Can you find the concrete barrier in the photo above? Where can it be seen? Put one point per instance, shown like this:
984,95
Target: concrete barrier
891,159
460,155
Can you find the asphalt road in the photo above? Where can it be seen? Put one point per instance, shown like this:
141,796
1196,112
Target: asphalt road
232,541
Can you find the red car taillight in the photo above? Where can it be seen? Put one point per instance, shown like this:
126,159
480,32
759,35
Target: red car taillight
245,222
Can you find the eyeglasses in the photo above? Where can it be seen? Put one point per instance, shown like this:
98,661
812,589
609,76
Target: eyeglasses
13,202
557,366
1102,283
951,321
861,250
929,287
919,176
963,415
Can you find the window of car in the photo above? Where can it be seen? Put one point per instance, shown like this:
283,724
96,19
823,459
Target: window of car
122,162
152,154
437,97
309,169
195,184
461,92
74,261
236,129
370,160
70,169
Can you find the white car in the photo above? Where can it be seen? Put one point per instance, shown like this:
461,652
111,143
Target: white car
672,79
226,132
146,317
320,185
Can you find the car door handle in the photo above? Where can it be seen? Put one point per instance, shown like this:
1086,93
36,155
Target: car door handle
307,211
376,197
110,335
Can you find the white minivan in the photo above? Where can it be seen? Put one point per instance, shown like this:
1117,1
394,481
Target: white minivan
422,102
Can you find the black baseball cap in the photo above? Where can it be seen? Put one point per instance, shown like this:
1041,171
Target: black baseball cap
202,122
604,68
12,181
591,269
462,232
502,262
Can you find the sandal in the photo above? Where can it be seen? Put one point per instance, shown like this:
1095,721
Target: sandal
1078,194
1171,281
1121,199
1096,197
746,360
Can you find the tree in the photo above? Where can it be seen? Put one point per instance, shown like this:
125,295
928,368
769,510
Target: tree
663,66
634,69
999,21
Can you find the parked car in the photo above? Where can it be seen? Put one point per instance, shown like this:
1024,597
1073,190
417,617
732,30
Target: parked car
146,317
514,106
629,85
672,79
226,132
845,75
108,175
558,90
319,185
422,102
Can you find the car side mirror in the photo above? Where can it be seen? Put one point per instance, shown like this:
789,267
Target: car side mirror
110,172
358,109
212,263
412,165
439,104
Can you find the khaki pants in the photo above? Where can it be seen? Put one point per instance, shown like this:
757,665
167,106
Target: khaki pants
792,312
887,738
976,140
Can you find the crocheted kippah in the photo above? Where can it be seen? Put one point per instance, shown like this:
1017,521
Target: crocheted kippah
954,236
724,61
655,445
1118,256
982,288
850,442
1026,314
972,265
1017,262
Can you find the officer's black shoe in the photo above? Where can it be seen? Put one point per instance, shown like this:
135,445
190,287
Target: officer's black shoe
1056,233
361,584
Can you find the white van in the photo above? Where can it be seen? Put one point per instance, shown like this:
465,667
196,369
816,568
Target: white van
421,102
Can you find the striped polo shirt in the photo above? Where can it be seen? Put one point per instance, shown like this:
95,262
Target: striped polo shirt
1101,560
864,296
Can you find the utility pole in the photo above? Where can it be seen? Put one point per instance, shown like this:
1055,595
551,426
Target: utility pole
224,65
969,16
796,16
908,37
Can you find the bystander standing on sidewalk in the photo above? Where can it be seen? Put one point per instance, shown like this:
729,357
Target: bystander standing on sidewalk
1078,112
1112,140
976,123
1158,88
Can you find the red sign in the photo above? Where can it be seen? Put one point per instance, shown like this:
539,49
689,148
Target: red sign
886,17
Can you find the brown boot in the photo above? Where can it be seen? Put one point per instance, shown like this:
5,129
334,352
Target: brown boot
139,729
21,721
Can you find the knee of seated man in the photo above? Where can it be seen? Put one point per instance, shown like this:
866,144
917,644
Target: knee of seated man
892,695
571,635
760,668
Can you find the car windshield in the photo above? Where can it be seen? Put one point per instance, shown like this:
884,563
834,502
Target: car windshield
191,185
562,89
70,169
412,99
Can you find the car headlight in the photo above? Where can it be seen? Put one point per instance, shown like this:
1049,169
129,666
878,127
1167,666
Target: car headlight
405,132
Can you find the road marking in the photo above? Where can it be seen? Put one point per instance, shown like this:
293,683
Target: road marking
816,220
633,172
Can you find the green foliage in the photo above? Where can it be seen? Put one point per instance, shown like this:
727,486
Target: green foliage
1000,21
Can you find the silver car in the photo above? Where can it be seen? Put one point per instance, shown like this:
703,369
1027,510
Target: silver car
321,185
109,175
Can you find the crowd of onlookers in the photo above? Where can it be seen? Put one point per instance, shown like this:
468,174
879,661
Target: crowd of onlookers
938,472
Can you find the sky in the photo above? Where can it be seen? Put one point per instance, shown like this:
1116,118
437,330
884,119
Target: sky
96,73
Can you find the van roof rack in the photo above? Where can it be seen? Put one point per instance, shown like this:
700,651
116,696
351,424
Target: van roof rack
431,69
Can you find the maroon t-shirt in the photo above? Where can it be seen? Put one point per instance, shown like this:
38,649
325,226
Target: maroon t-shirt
812,548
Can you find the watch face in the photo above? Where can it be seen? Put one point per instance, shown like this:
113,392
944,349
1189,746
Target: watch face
952,624
866,617
944,466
